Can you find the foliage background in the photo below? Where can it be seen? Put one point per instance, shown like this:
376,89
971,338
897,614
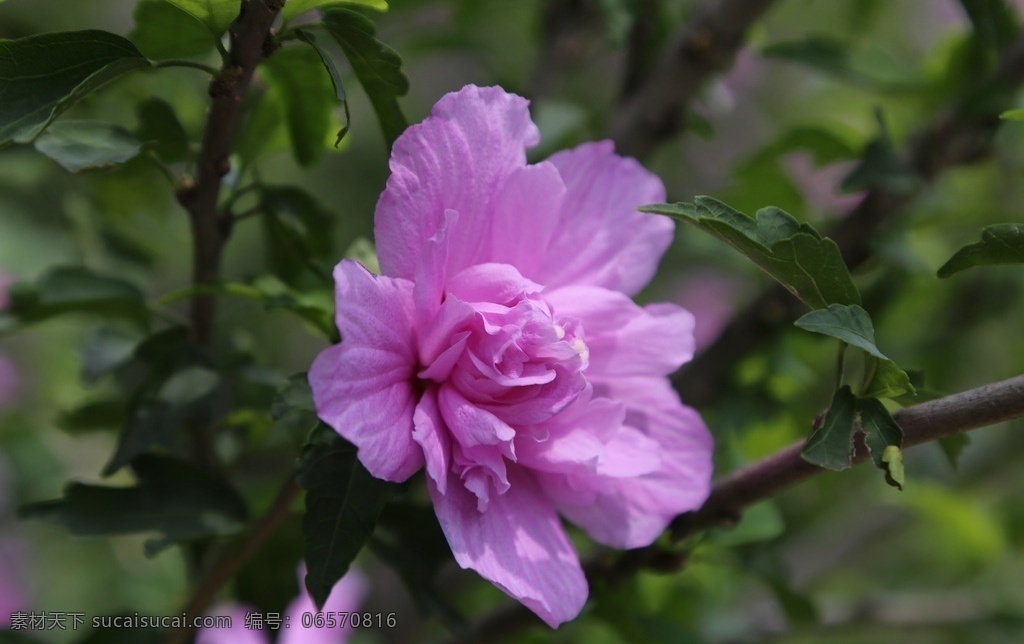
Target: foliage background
843,556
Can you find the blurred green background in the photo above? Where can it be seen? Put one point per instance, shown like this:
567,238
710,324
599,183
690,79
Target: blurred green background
842,558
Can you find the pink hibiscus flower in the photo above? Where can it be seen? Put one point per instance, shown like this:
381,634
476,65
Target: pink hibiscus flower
501,350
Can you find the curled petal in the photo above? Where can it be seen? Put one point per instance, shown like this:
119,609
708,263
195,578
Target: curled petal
432,436
601,240
363,387
625,339
469,424
518,544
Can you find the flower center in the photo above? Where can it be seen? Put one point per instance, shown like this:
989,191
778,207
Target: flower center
501,366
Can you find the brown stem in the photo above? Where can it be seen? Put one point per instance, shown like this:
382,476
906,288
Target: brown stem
971,409
705,46
250,43
234,557
960,135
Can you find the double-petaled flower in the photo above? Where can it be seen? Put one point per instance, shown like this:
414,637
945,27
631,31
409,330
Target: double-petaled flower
501,351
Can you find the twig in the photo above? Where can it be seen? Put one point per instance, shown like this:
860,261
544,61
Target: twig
961,135
250,44
971,409
234,557
211,227
705,46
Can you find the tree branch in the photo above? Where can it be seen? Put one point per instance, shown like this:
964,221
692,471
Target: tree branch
962,134
971,409
250,44
986,405
234,557
705,46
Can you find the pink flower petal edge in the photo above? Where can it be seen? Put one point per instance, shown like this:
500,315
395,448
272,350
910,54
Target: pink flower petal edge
501,350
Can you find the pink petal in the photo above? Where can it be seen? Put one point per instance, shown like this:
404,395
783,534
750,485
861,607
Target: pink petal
432,436
518,544
623,338
458,159
493,283
576,439
631,512
363,387
601,239
469,424
525,217
431,272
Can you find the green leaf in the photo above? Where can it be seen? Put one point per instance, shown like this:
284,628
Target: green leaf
1000,244
953,447
343,502
157,418
107,348
377,66
831,444
880,167
81,145
297,75
315,307
866,65
824,145
297,233
296,7
292,408
174,498
888,381
819,52
327,59
851,324
97,415
893,459
808,265
42,76
160,130
75,289
217,15
263,131
1013,115
882,435
163,31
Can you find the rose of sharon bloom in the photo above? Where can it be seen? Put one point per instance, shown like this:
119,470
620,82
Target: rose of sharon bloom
346,597
501,350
